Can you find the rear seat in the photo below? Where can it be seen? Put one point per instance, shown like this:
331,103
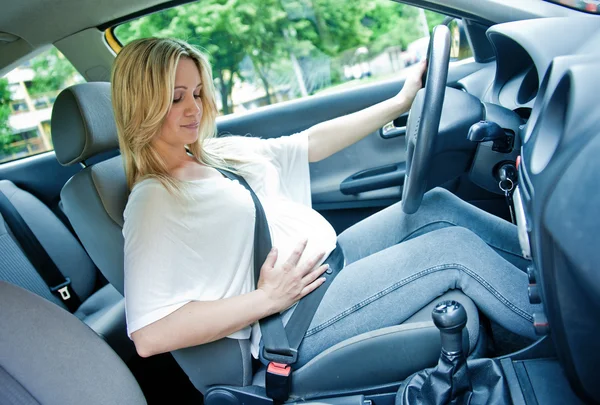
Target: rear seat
102,310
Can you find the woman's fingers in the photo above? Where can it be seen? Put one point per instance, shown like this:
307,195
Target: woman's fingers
422,67
417,74
294,258
287,283
312,286
316,273
414,81
271,258
311,263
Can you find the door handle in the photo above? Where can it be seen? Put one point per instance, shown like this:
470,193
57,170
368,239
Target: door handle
395,128
389,131
374,179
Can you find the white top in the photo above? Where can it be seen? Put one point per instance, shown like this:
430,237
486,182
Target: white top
199,246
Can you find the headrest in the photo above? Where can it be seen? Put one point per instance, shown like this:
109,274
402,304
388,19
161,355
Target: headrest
83,123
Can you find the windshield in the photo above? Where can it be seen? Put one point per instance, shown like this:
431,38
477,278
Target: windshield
588,6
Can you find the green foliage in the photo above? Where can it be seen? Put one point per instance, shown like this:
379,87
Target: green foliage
227,30
53,72
4,92
332,26
393,25
272,33
6,136
433,19
263,42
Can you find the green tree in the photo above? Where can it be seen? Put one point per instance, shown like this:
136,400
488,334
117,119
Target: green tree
328,30
434,19
229,30
397,24
53,72
222,28
332,26
264,40
6,135
215,27
275,34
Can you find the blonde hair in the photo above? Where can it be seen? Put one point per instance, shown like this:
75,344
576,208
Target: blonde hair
143,81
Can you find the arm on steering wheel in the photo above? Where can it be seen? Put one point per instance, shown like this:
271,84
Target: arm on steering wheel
329,137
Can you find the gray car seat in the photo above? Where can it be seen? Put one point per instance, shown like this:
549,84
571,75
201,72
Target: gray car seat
102,310
48,357
94,200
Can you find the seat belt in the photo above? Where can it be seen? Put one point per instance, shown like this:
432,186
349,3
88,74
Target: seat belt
281,344
59,285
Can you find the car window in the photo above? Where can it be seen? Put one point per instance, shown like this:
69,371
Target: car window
267,51
27,94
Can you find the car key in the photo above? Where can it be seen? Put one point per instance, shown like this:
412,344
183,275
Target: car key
507,174
508,192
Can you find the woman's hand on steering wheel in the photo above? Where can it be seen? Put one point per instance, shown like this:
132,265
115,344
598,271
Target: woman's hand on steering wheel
289,282
413,82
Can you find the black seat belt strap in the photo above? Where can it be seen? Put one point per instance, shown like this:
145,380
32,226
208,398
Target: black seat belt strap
307,307
273,332
281,344
59,285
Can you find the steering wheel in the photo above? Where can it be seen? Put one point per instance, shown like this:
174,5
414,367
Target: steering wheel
424,120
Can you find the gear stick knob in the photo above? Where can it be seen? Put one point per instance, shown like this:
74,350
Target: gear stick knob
449,381
450,318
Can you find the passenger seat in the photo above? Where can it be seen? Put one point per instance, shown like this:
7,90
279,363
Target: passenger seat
102,310
48,357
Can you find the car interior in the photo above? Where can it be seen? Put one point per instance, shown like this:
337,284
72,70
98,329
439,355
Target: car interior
512,129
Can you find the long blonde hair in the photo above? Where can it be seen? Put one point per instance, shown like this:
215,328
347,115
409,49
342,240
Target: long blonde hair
143,81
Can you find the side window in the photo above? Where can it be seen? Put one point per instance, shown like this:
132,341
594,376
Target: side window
268,51
27,94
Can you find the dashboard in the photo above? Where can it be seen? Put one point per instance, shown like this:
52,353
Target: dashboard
524,50
546,72
518,79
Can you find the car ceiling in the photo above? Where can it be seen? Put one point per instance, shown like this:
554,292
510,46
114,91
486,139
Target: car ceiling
41,21
31,25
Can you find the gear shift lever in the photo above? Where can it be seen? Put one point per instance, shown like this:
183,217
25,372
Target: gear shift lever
450,318
452,381
448,382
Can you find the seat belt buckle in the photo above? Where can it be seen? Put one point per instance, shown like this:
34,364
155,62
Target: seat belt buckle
63,290
278,381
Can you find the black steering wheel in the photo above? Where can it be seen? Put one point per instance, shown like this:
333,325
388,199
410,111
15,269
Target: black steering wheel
424,120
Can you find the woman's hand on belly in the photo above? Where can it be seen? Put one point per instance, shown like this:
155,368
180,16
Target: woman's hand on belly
200,322
289,282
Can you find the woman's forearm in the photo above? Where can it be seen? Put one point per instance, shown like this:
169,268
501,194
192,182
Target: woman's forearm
331,136
200,322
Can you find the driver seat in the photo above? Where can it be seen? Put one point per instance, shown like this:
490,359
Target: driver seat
94,200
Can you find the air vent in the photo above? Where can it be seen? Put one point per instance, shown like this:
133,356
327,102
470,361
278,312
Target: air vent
550,127
524,112
6,38
537,106
529,86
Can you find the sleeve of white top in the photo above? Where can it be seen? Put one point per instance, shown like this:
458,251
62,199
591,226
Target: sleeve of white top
290,155
152,254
